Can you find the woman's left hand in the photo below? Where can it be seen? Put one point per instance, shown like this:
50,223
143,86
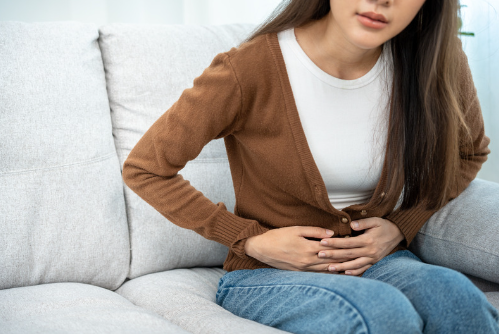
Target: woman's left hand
380,237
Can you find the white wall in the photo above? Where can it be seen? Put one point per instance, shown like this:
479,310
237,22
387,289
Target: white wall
139,11
480,17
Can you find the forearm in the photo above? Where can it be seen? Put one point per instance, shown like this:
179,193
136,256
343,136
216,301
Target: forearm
182,204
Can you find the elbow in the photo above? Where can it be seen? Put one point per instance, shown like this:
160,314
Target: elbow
137,177
130,174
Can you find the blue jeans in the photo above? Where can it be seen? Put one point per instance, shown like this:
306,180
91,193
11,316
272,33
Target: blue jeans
399,294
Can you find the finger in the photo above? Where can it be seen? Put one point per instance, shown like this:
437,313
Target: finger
350,265
317,261
342,255
316,267
322,268
364,224
352,242
359,271
314,232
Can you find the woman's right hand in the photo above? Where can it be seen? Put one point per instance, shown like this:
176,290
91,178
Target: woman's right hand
287,248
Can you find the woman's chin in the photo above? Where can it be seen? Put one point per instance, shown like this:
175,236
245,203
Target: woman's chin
368,42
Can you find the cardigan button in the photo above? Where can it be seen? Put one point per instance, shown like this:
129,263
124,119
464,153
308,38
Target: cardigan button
363,212
344,220
382,194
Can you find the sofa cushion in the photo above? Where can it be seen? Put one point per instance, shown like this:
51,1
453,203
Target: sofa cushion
484,285
493,298
62,215
61,308
186,297
147,68
463,235
490,289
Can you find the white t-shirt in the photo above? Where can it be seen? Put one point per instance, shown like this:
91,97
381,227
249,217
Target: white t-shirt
346,117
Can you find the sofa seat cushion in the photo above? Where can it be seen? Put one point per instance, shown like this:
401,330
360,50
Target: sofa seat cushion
484,285
493,298
186,297
75,308
490,289
62,215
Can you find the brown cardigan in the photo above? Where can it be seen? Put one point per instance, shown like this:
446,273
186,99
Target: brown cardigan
245,97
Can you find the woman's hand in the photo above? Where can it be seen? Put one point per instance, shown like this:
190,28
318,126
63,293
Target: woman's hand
287,248
380,237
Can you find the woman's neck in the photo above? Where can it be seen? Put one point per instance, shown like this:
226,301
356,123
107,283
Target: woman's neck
325,45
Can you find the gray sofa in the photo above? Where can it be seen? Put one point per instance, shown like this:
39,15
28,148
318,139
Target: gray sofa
79,251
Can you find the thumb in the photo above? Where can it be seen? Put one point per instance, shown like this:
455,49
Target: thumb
315,232
364,224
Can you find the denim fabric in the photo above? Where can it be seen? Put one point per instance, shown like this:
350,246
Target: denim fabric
399,294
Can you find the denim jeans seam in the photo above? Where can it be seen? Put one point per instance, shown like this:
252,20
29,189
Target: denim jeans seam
458,243
335,294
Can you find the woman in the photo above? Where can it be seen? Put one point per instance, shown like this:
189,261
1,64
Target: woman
308,106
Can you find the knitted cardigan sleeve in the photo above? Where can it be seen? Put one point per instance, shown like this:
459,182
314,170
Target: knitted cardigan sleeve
207,111
411,220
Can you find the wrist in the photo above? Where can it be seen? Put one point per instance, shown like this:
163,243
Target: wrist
249,246
400,234
400,237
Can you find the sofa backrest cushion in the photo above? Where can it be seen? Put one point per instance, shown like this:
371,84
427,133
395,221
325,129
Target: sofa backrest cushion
147,68
62,213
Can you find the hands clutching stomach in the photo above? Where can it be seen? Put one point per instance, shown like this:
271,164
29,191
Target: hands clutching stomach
288,247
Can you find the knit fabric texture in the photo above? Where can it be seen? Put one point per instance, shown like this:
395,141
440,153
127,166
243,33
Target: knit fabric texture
245,97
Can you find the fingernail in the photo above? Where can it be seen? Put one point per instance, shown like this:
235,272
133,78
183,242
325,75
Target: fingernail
323,242
348,272
329,232
355,225
322,254
332,268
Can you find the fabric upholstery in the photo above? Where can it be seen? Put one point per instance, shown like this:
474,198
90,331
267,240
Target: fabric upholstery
62,214
186,297
490,289
484,285
463,234
493,298
62,308
147,68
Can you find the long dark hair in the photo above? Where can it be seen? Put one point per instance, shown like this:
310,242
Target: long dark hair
426,112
